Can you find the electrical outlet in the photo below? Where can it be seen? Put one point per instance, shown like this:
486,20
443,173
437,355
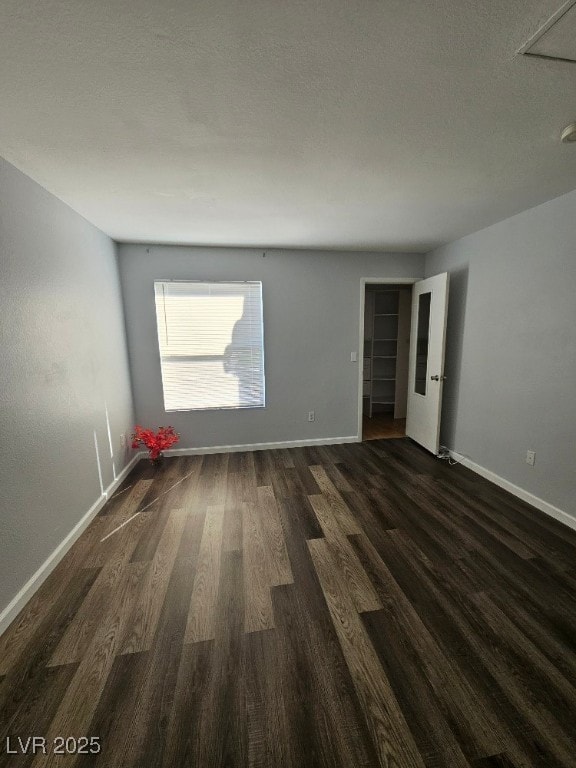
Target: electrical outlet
311,416
123,440
530,457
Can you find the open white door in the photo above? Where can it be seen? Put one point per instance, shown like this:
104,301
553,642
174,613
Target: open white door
426,364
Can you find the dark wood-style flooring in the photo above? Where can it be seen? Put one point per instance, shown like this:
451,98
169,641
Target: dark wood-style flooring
344,606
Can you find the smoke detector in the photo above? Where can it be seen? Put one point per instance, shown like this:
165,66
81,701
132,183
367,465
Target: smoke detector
569,133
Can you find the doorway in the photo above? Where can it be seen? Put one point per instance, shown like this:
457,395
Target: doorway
385,322
403,339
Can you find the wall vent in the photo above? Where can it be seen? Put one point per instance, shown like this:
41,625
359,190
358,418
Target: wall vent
556,39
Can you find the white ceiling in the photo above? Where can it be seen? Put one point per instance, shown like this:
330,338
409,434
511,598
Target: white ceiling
378,124
557,38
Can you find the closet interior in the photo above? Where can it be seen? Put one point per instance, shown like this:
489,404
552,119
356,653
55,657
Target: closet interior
386,349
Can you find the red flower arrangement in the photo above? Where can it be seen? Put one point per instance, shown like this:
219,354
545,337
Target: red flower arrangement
156,442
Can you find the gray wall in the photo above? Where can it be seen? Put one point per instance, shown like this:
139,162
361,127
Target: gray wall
64,363
311,324
511,350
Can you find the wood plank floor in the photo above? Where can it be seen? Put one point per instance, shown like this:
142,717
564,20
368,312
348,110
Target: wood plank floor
343,606
381,426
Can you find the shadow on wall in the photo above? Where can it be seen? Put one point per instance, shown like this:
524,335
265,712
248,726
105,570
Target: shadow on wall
454,345
239,360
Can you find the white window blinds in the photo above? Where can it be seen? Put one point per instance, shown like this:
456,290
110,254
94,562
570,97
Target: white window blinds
211,344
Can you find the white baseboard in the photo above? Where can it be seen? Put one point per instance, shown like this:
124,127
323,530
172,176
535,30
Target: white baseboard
262,446
529,498
23,596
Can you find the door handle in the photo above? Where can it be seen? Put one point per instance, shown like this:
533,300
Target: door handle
438,378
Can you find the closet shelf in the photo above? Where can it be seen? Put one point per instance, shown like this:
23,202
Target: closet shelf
386,314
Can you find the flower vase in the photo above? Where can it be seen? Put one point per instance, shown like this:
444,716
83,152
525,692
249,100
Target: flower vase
157,462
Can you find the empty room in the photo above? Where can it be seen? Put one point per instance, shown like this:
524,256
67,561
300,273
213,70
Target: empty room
287,411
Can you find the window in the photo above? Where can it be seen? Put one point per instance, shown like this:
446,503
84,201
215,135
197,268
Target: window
421,370
211,344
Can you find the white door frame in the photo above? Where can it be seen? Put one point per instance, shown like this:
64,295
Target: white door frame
363,282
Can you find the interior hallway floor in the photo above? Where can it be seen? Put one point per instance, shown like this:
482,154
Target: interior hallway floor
352,605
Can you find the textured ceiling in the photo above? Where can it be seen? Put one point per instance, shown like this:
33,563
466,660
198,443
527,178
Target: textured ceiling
557,38
380,124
